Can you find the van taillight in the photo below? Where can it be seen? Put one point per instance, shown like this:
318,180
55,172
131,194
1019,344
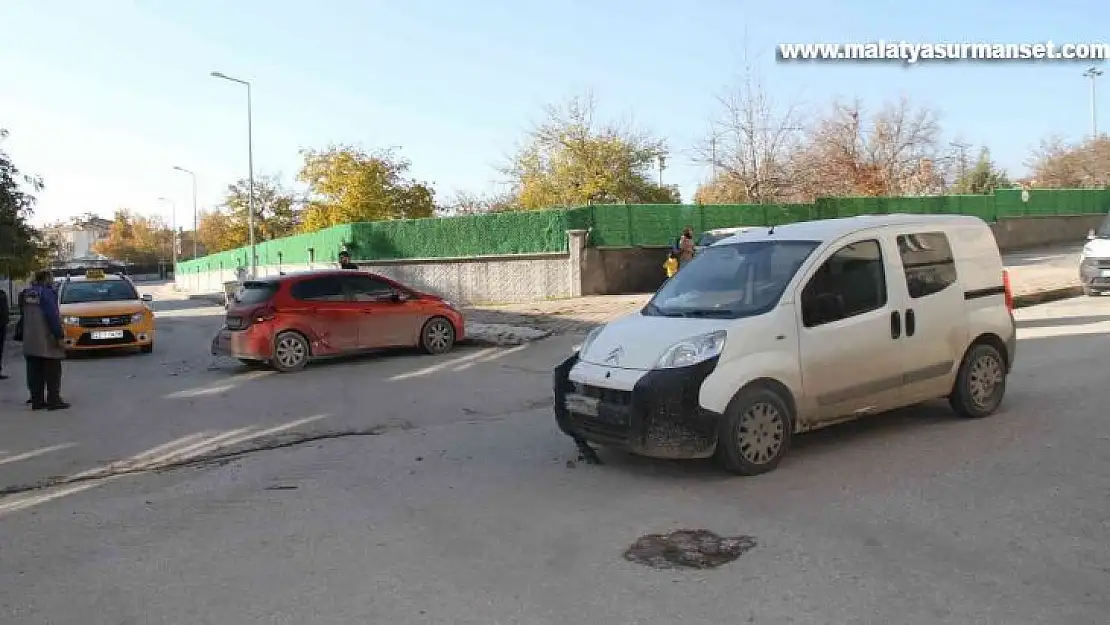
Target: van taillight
263,314
1009,290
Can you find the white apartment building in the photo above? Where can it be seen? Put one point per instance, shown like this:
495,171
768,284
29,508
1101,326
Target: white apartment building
76,240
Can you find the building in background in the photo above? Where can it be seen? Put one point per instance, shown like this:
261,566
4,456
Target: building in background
77,238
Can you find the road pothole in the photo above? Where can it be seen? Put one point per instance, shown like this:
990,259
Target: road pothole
688,549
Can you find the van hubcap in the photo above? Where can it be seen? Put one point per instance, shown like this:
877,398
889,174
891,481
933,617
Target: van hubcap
438,336
290,352
760,433
983,379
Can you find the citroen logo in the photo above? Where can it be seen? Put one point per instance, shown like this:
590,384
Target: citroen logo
615,355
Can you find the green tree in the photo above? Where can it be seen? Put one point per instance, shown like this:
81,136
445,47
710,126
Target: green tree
983,178
570,159
22,247
347,185
275,210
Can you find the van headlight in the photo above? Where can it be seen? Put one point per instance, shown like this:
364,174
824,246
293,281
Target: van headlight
590,338
693,350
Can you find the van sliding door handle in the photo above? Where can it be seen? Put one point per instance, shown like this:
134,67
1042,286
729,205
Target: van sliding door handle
911,322
895,325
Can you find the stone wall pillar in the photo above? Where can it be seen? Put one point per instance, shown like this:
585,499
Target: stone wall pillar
576,245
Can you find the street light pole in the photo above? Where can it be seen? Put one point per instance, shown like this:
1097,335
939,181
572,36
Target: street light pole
1093,73
250,165
173,232
194,177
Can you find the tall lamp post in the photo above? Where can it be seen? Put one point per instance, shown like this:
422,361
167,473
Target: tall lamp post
1093,73
194,177
173,232
250,173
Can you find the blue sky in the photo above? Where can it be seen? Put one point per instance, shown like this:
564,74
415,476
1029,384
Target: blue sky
104,98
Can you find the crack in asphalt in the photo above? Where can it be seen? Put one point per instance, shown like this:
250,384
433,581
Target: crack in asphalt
216,456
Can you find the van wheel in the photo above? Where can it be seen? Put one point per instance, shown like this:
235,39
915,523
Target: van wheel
290,352
755,432
437,336
980,383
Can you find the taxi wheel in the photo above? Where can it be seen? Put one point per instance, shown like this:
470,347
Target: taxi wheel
291,352
437,336
755,432
147,349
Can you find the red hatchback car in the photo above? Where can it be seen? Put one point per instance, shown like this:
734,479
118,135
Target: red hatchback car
286,321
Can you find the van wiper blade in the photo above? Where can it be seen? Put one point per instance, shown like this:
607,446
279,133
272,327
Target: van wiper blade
655,311
708,312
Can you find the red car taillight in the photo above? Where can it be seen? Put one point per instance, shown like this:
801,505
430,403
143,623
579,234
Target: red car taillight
1009,290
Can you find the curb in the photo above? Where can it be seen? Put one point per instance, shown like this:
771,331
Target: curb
1046,296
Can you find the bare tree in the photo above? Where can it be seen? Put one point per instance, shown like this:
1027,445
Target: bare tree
751,148
895,152
1062,165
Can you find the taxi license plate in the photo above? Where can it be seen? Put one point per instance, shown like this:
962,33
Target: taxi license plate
581,404
104,335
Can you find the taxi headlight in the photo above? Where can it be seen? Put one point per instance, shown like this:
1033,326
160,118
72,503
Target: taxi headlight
71,321
137,317
693,350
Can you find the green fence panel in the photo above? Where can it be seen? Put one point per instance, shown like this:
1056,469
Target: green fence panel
619,225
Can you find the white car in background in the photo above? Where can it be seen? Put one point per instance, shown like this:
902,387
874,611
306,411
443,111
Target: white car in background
1094,261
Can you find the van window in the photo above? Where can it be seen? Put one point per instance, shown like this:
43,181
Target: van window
730,281
928,263
851,282
322,289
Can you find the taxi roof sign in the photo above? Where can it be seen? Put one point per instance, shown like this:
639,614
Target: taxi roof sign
94,274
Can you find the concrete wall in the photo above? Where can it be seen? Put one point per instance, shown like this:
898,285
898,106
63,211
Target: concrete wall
588,271
1029,232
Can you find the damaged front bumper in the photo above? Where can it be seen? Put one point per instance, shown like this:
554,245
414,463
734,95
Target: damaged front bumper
660,416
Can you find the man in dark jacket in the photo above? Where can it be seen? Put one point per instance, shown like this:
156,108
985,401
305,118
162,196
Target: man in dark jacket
4,320
43,343
345,261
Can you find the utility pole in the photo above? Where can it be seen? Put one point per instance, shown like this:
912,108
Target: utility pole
662,165
1093,73
250,170
194,177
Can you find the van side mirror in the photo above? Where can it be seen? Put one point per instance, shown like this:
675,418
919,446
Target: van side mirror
147,297
1090,235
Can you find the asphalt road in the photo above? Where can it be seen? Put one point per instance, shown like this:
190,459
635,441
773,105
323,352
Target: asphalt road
447,496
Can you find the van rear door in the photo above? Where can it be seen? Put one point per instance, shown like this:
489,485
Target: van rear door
934,319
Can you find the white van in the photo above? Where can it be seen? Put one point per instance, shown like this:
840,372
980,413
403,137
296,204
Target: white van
778,331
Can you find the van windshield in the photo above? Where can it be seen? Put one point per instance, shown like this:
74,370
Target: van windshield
731,281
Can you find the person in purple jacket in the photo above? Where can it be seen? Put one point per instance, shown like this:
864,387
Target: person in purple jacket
43,343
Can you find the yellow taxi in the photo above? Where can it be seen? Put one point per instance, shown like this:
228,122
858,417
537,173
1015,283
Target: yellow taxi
104,311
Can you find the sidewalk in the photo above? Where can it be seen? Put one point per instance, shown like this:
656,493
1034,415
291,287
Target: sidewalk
1036,276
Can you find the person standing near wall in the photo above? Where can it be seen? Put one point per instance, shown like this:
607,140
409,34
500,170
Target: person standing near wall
686,246
4,319
345,261
43,343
